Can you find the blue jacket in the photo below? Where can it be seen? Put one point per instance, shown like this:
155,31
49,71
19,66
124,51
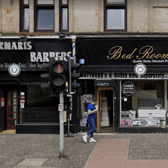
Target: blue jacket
90,116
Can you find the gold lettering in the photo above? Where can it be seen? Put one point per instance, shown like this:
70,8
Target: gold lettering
130,56
123,56
164,56
115,52
152,56
158,56
145,52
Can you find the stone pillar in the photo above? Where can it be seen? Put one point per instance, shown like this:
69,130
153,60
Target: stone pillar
150,16
101,16
71,16
31,16
129,15
56,8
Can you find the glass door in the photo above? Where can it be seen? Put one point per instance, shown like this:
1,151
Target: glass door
12,109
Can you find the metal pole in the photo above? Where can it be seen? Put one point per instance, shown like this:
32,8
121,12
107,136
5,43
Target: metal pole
62,125
68,116
69,66
68,127
165,86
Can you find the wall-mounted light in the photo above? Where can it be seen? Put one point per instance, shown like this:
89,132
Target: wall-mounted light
62,36
23,38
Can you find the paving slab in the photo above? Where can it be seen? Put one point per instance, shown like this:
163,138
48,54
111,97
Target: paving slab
15,148
31,162
106,155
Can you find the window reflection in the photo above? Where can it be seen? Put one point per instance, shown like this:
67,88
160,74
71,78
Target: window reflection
115,1
26,19
64,1
115,18
45,19
146,107
26,1
64,18
45,2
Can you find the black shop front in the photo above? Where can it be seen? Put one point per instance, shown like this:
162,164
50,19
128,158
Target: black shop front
24,105
129,101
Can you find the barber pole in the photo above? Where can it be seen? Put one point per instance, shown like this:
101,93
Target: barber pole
74,48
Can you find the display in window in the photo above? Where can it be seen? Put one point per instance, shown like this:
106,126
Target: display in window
145,107
128,88
87,98
105,115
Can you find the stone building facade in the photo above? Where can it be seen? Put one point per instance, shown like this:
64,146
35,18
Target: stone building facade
143,16
111,38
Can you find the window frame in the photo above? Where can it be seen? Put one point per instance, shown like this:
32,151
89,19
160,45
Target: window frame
22,7
61,6
42,6
115,6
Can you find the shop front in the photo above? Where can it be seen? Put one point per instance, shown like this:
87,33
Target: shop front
129,101
24,105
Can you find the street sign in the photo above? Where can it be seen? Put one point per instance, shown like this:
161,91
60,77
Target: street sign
60,107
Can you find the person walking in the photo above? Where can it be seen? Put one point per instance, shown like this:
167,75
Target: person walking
91,120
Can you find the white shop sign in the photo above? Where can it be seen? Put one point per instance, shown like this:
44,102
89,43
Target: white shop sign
123,75
130,75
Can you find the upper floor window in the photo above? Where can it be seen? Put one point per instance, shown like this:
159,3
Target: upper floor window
44,15
64,16
115,15
24,15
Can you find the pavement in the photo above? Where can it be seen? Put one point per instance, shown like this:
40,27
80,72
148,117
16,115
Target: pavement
42,150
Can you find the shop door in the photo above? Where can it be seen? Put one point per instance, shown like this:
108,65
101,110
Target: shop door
12,109
105,114
99,99
2,110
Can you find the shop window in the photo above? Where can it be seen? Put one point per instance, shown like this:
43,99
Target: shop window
87,92
44,15
143,104
38,106
115,15
24,15
64,16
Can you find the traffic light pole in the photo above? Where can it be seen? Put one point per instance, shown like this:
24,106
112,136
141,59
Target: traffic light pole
62,125
69,69
68,115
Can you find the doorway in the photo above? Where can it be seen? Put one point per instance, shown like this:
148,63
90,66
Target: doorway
12,109
105,114
2,110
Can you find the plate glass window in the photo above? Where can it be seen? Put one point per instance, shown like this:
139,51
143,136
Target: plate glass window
64,16
115,18
115,15
44,15
24,15
26,19
64,2
45,19
115,1
26,2
45,2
